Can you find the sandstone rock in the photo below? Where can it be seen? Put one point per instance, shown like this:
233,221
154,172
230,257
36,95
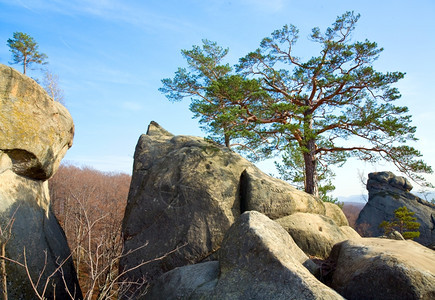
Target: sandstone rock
388,192
188,282
186,192
316,234
35,131
395,235
387,181
258,260
256,239
274,197
373,268
334,212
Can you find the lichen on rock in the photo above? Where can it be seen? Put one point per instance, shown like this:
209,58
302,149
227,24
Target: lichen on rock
35,133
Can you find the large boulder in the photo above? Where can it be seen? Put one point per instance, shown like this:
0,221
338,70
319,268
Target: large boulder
186,192
188,282
35,133
316,234
258,260
388,192
334,212
373,268
274,197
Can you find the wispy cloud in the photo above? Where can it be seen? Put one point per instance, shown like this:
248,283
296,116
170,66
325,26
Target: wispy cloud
136,13
270,6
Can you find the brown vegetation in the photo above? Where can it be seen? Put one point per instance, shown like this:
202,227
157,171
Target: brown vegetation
351,210
90,205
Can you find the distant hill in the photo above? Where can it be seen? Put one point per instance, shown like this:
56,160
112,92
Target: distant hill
364,198
351,211
352,205
354,198
428,197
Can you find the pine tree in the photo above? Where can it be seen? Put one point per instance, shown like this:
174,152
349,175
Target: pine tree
25,50
404,222
324,110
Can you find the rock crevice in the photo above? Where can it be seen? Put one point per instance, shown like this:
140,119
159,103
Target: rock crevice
197,189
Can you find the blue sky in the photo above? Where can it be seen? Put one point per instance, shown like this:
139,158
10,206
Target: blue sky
111,55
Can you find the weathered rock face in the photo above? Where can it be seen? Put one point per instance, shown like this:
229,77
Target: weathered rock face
335,213
258,260
388,192
316,234
215,209
171,202
274,197
373,268
186,192
35,133
188,282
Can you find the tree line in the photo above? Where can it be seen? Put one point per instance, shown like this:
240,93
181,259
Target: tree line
89,206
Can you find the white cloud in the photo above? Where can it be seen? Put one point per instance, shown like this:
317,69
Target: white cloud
136,13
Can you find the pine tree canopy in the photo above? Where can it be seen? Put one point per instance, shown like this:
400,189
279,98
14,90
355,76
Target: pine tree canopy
320,111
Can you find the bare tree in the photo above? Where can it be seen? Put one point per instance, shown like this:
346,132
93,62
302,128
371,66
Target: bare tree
5,235
50,83
90,205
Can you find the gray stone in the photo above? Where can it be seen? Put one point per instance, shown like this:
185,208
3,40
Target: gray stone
388,192
384,181
186,282
258,260
316,234
275,198
186,192
395,235
373,268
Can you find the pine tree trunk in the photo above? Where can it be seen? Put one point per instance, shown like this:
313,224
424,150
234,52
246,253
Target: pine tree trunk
24,64
227,140
310,170
310,157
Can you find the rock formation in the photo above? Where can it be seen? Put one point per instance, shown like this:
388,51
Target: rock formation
35,133
258,260
186,192
216,227
373,268
388,192
316,234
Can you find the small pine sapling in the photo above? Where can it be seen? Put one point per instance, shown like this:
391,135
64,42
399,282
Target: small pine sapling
404,222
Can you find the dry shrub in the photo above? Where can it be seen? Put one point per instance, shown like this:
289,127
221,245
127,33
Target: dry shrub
351,211
90,205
